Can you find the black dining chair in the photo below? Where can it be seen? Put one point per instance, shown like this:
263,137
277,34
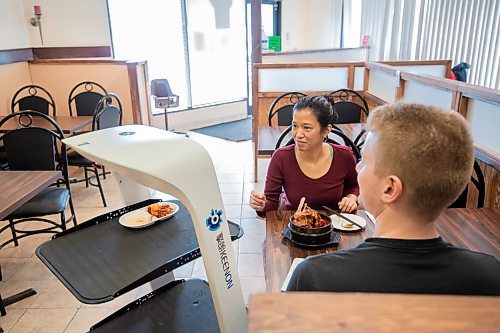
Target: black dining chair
38,148
84,98
108,113
333,137
282,106
33,97
348,111
3,159
479,184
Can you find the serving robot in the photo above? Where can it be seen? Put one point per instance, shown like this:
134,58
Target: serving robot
144,158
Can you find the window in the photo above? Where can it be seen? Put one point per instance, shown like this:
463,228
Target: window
217,50
198,45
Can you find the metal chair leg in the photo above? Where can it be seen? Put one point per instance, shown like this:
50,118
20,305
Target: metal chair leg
63,221
86,177
2,307
72,209
13,231
100,187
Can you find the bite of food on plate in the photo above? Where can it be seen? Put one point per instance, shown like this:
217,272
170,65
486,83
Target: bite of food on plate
160,209
139,220
347,224
308,218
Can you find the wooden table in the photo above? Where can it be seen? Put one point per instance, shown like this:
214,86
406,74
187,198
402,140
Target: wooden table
17,188
279,253
365,312
477,229
68,124
268,136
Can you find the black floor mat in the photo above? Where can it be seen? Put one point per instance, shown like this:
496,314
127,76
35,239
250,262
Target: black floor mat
239,130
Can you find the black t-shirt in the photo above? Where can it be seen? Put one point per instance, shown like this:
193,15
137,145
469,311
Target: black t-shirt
384,265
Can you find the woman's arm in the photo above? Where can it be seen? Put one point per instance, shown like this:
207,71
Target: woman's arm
274,182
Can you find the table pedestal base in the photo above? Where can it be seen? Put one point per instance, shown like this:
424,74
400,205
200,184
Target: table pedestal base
14,299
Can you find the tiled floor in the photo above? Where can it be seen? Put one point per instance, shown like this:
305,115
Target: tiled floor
54,309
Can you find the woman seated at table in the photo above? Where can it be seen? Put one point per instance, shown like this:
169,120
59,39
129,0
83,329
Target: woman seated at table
323,173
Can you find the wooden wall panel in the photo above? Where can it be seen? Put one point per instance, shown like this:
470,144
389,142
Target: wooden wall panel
492,182
17,55
40,53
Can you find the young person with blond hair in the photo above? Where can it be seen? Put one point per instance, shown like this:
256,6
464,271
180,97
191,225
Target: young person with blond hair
416,160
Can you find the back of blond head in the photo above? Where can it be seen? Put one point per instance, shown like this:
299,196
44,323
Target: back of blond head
430,149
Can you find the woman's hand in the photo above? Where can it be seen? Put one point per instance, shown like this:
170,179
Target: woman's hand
348,204
258,201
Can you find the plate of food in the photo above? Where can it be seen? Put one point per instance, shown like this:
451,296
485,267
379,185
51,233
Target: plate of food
341,224
146,216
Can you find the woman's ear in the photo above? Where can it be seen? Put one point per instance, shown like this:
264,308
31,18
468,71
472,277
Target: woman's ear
327,130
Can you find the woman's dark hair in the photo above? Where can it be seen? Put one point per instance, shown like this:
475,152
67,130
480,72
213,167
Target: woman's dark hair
322,108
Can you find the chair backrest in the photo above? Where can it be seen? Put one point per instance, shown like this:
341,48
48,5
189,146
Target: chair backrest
33,147
85,96
330,139
480,185
347,110
284,111
107,114
33,97
160,88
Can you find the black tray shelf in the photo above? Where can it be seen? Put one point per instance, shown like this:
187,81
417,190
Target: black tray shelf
180,306
100,259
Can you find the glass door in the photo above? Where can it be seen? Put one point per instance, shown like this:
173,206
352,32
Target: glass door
198,45
151,30
217,50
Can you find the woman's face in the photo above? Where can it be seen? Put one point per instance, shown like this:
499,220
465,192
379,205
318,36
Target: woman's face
306,130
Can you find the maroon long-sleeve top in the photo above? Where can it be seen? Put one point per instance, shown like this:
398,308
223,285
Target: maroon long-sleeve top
285,176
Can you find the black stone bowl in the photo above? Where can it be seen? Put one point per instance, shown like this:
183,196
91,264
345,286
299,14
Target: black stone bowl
311,235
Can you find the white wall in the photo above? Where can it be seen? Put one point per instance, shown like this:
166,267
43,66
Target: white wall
382,85
196,118
434,70
426,94
13,25
64,23
484,128
310,25
302,79
329,55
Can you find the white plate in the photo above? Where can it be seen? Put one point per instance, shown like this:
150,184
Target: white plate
371,217
140,218
337,222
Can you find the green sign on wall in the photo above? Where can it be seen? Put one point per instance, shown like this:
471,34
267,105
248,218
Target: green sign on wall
274,43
